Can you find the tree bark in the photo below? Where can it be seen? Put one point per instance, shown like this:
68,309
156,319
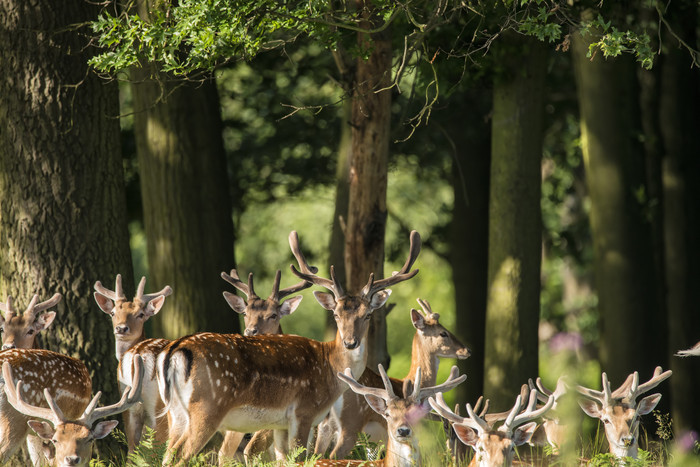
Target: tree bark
366,223
681,180
186,202
62,201
515,230
469,233
624,267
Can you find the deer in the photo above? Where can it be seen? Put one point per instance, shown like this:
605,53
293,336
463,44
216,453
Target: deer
352,415
494,446
552,431
287,383
128,320
19,330
72,437
65,378
619,410
260,317
400,413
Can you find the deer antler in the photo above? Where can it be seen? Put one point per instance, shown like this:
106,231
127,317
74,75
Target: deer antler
8,308
116,295
236,281
130,396
544,393
14,396
472,420
637,389
427,309
605,397
405,273
145,298
33,308
308,273
516,419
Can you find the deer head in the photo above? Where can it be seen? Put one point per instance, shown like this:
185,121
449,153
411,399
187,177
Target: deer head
19,330
352,312
129,317
494,446
72,439
435,339
262,316
619,410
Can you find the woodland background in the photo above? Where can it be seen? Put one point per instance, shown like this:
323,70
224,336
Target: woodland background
546,151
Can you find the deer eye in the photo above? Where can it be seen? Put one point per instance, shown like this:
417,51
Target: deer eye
111,313
443,334
140,315
30,332
273,316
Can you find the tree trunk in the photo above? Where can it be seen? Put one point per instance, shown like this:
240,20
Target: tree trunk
515,227
366,223
681,177
62,202
186,202
469,234
630,319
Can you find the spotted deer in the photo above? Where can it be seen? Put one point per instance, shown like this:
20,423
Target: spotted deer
19,330
494,446
260,317
552,431
286,383
351,415
72,437
128,320
401,413
66,379
619,410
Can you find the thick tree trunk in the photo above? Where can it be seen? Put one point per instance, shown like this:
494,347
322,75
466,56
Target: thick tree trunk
62,202
630,319
515,230
469,235
366,223
681,177
186,202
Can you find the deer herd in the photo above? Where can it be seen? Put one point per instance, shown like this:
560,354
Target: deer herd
287,391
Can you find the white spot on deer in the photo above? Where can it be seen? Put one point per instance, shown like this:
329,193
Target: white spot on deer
216,363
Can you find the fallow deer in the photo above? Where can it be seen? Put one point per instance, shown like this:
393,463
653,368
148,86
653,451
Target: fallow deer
260,317
494,446
401,414
552,431
66,379
286,383
619,410
72,437
351,415
128,320
19,330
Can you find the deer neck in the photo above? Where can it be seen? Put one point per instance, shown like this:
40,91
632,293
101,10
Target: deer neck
401,455
341,358
122,345
428,362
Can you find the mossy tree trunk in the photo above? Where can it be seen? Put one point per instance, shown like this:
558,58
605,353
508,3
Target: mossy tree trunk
631,324
62,201
469,233
515,226
681,180
366,222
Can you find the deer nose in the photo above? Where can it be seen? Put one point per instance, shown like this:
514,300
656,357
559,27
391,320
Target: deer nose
404,432
72,460
9,345
122,329
627,441
350,344
251,331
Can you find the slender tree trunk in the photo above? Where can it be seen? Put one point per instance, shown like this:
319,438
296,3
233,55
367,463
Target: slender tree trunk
366,223
623,252
515,226
681,180
62,202
186,202
469,234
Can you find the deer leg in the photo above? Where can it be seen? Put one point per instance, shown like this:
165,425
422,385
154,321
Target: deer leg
258,444
37,451
133,426
325,434
281,438
11,438
229,447
299,435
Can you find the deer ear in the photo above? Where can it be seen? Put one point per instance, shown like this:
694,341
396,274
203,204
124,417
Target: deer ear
102,429
42,429
648,404
288,306
466,434
590,407
376,403
105,303
235,302
379,298
523,433
44,320
417,319
327,300
154,306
